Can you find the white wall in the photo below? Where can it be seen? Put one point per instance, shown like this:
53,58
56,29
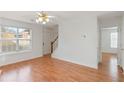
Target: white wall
54,32
105,41
36,48
73,46
109,21
122,43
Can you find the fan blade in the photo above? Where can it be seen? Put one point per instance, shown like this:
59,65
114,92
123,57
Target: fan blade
39,14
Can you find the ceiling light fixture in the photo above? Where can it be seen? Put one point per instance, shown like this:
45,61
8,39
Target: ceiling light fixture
43,17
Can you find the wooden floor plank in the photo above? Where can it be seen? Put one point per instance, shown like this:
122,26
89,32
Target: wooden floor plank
46,69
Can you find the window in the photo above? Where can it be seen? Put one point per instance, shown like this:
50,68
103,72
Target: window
24,39
114,40
14,39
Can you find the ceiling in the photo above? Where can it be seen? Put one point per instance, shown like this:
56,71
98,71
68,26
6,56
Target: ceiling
30,16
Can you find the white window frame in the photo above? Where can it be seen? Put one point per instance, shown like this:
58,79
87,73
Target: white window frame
17,39
111,45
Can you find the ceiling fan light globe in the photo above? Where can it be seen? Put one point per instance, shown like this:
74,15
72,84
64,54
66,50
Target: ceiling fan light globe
40,19
43,22
47,20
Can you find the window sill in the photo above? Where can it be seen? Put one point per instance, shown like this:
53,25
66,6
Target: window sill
16,52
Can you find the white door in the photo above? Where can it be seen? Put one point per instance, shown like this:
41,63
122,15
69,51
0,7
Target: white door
46,42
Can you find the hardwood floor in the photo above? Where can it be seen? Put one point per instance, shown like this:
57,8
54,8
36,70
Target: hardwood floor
53,70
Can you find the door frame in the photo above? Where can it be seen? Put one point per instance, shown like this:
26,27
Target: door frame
43,44
119,46
118,49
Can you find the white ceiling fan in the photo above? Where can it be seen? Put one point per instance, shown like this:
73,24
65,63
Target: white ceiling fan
43,17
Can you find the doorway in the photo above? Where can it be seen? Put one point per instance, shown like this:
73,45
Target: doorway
50,34
109,50
109,42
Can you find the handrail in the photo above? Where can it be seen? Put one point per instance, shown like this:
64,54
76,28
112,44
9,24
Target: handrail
52,43
55,40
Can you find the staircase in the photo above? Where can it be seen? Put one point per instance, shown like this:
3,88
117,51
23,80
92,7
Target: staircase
54,44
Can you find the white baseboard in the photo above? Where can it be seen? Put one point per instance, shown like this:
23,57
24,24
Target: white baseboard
12,62
75,62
